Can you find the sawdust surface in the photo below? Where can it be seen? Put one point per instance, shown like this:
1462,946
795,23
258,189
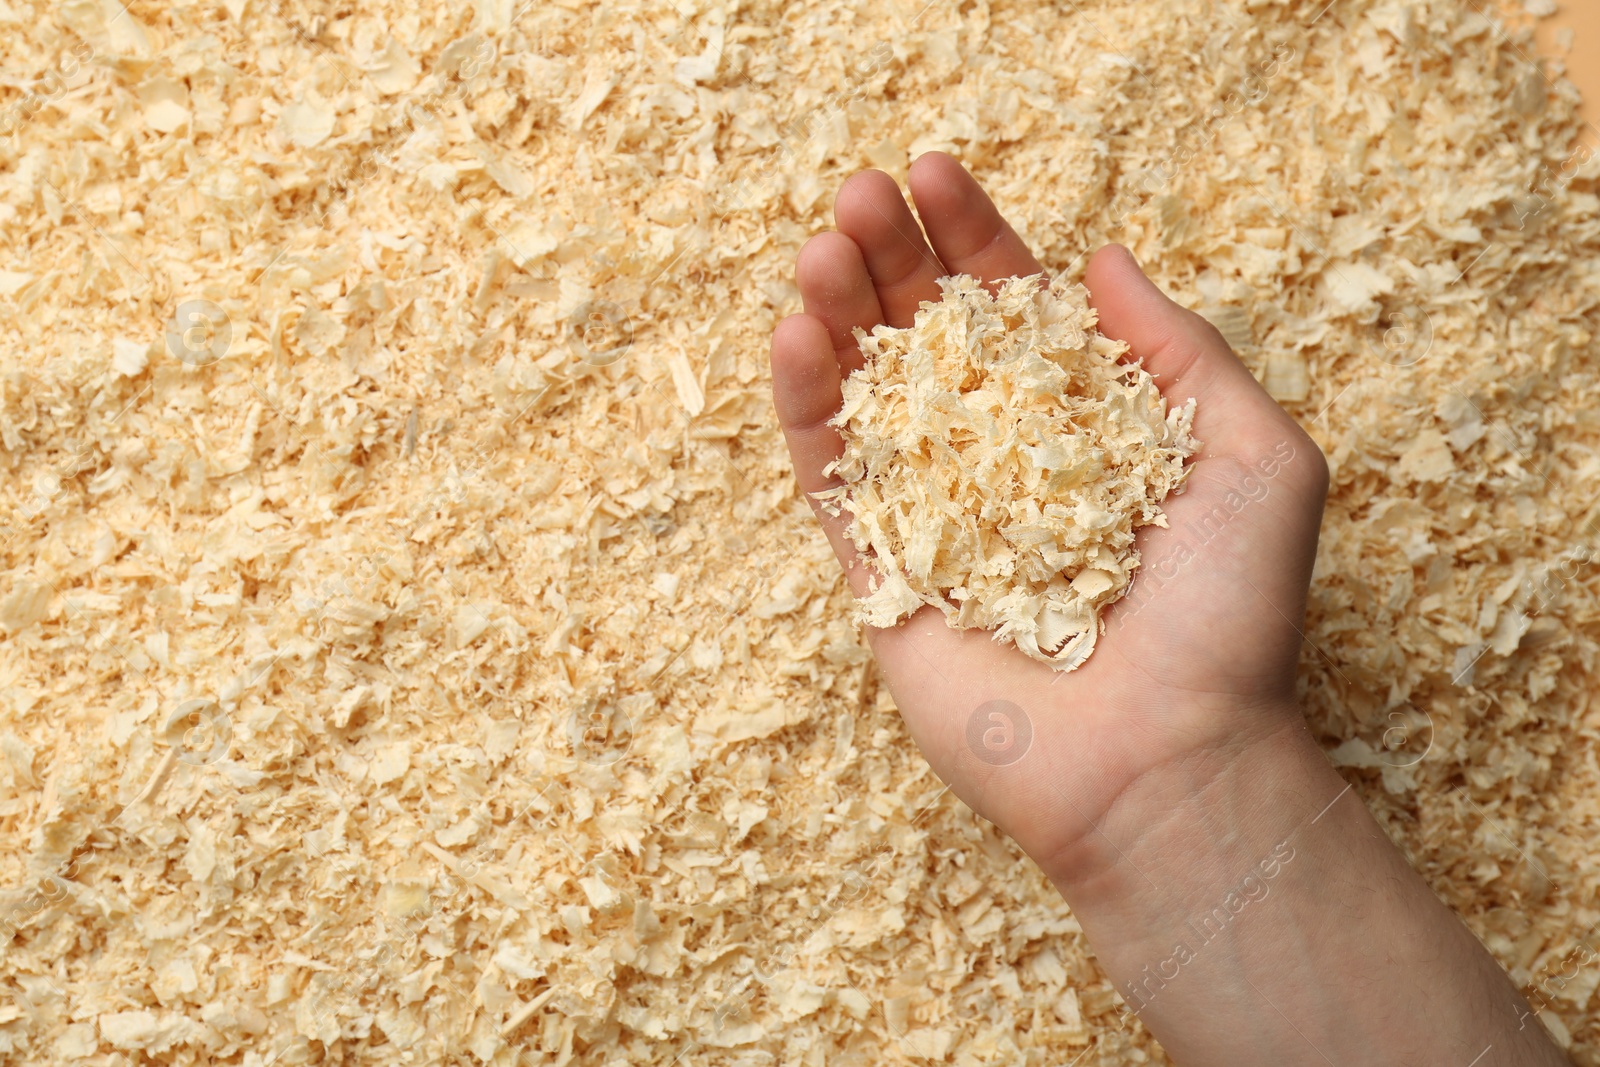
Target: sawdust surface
415,649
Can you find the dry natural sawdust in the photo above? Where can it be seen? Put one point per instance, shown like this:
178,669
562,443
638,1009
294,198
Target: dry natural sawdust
999,457
384,394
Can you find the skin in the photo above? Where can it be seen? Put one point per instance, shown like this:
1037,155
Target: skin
1172,775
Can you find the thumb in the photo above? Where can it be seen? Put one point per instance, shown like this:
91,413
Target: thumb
1187,355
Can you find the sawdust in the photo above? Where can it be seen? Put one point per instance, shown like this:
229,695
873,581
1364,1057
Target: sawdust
384,394
998,459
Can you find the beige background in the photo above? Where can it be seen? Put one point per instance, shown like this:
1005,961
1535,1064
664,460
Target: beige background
1583,64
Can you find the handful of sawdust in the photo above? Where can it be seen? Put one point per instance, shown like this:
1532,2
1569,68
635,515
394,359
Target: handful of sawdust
998,460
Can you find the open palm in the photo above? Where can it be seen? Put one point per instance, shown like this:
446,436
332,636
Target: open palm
1201,654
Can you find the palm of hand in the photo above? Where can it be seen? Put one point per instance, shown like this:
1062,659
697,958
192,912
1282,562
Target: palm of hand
1202,651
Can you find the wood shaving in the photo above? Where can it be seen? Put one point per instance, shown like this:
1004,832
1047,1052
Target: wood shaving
431,534
998,460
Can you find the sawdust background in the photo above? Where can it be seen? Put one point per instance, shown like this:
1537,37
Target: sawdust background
544,738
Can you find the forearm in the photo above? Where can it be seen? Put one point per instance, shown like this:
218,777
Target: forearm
1251,911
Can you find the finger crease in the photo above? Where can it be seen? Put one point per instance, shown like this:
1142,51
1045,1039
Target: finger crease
999,234
909,275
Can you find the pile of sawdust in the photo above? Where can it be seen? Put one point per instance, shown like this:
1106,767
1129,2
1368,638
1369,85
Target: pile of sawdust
384,392
998,459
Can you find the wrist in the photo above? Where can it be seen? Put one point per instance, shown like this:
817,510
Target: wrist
1248,910
1200,818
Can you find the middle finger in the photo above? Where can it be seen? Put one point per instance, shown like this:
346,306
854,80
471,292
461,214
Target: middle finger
870,211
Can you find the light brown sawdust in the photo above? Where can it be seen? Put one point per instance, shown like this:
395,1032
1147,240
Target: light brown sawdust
999,457
548,737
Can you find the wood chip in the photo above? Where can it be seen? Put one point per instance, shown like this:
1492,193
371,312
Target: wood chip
999,459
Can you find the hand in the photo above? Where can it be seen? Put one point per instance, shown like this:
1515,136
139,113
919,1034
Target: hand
1170,787
1198,660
